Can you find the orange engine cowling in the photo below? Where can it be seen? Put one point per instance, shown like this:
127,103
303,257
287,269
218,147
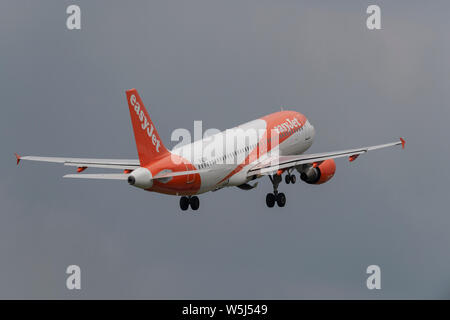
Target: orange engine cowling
318,174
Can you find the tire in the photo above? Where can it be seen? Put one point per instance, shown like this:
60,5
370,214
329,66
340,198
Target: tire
270,200
293,178
184,203
281,199
194,202
287,179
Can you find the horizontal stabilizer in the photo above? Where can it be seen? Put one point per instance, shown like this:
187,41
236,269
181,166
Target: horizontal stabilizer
104,176
124,176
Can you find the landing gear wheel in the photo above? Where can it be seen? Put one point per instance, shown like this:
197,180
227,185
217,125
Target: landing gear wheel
270,200
194,202
293,178
281,199
184,203
287,179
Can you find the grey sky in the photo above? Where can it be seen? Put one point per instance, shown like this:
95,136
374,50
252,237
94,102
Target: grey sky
226,62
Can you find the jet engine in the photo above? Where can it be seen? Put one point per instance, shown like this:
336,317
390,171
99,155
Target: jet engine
318,174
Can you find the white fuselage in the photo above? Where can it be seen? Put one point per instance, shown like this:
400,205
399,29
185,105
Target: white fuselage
219,156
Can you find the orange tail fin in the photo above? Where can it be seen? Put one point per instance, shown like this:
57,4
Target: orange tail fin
148,142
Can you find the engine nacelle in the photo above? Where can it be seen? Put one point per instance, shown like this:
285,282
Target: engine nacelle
141,178
319,174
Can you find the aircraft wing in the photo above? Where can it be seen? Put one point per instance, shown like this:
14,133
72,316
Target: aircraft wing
122,164
273,164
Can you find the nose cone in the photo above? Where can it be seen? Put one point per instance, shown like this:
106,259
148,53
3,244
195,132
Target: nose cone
131,180
310,133
313,131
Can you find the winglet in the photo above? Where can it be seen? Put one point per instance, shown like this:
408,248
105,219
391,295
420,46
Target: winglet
17,158
403,143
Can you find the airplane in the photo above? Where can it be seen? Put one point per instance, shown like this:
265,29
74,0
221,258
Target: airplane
274,145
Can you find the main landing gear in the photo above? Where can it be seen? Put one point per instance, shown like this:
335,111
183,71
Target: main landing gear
192,201
276,196
290,178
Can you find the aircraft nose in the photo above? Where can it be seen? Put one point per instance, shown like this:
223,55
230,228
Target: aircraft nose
131,180
310,131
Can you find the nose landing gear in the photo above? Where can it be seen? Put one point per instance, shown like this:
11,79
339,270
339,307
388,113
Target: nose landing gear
278,197
192,201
